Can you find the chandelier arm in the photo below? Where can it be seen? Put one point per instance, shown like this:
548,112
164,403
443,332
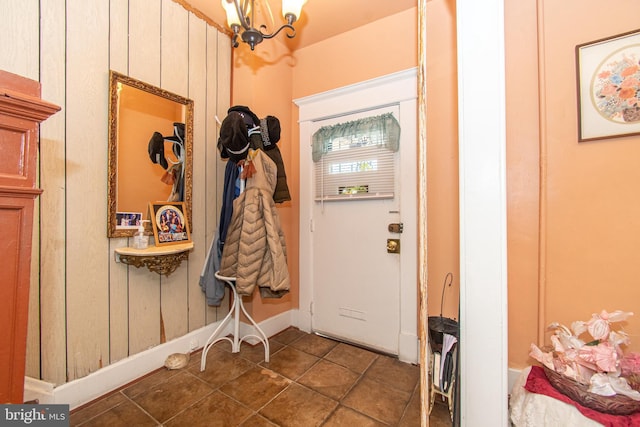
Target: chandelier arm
242,14
234,40
289,27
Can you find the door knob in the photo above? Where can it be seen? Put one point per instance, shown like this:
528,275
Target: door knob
393,246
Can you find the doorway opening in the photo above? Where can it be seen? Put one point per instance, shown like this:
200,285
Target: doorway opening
326,229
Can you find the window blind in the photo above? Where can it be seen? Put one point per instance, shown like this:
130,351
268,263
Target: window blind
356,159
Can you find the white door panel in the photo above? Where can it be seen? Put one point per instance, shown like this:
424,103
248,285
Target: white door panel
356,282
350,287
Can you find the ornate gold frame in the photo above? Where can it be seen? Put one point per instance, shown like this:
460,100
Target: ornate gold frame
116,78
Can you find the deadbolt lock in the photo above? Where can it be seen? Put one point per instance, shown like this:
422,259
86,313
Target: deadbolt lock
393,246
396,227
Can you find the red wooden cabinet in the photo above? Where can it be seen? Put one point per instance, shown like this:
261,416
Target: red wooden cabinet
21,111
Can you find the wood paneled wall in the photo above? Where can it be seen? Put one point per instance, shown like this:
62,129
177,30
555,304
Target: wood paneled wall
87,311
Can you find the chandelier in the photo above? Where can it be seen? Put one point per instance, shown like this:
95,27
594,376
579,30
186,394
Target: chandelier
240,15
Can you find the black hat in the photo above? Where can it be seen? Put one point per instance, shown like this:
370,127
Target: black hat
178,136
250,119
270,131
234,140
156,150
178,133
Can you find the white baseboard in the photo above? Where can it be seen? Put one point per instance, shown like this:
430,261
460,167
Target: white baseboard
301,320
122,372
270,326
35,389
85,389
408,348
513,376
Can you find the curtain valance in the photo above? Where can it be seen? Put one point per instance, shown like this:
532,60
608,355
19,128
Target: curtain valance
370,131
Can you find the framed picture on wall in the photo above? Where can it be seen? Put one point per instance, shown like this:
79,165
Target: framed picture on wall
608,76
169,223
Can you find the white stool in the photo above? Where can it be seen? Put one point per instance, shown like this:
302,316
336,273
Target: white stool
235,312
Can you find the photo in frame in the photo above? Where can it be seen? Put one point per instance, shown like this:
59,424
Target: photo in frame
169,222
128,220
608,77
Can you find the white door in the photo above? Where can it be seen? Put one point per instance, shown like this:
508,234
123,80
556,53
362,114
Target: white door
356,281
350,286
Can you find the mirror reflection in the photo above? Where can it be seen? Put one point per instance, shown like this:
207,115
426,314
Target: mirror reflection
150,151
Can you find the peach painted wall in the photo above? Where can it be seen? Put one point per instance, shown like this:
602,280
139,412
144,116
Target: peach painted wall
443,247
523,144
572,208
590,204
573,211
136,126
382,47
262,81
269,78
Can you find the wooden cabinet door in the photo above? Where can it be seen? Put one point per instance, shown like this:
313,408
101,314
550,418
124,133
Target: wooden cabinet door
16,216
21,110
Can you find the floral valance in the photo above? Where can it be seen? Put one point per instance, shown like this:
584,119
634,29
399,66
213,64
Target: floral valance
370,131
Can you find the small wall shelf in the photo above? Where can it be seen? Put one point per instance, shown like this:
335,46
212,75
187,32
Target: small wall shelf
161,260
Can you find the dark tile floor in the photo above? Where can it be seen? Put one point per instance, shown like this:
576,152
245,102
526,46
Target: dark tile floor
309,381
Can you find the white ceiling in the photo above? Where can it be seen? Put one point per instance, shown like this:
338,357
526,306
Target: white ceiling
321,19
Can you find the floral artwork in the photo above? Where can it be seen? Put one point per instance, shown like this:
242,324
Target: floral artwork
609,87
598,360
616,88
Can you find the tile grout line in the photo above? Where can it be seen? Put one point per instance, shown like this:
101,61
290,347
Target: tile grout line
195,402
255,361
143,410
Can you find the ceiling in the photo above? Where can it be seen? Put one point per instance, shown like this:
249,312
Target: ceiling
320,20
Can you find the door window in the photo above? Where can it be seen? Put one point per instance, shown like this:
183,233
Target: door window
356,159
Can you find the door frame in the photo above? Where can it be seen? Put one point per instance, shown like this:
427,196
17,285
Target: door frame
398,88
482,143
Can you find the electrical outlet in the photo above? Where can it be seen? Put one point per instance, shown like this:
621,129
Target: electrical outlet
193,344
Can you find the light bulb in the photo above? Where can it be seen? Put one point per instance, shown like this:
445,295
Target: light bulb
292,7
232,13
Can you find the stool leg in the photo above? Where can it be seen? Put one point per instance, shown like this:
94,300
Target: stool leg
237,302
237,306
212,338
263,337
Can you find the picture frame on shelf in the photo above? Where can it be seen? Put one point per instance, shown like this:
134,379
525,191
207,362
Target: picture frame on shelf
608,80
128,220
169,223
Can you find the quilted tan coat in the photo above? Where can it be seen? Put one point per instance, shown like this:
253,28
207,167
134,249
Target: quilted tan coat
254,251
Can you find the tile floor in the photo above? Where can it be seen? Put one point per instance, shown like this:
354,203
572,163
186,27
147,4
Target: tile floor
309,381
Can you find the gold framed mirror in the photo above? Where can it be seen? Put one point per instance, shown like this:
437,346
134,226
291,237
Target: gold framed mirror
150,152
